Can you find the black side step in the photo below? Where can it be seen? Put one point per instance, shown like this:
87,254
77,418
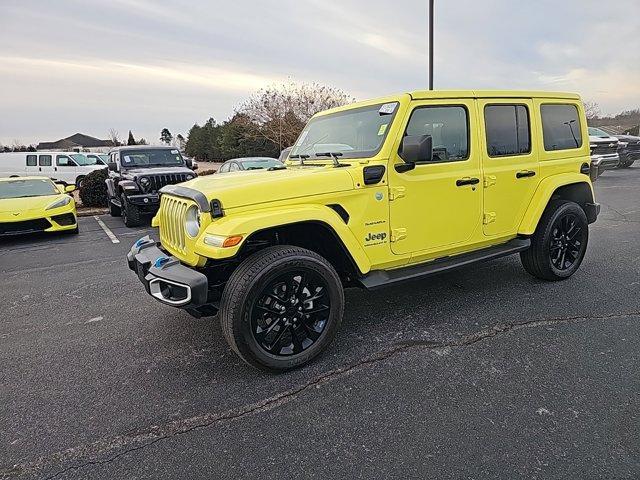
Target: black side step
381,278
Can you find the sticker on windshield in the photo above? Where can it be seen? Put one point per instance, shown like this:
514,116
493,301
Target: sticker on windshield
383,128
387,108
127,159
174,152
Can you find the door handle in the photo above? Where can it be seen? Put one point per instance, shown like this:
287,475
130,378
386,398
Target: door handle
525,173
467,181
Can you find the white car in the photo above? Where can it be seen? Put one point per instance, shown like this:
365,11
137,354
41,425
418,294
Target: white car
604,150
64,167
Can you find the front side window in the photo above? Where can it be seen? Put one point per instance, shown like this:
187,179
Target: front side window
507,130
354,133
560,127
32,160
234,167
224,168
83,160
448,127
45,160
64,161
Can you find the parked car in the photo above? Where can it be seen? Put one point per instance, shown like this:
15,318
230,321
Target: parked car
67,167
430,181
136,175
250,163
36,204
604,150
628,150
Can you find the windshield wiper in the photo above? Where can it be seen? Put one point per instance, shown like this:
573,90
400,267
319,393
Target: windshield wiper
334,156
301,157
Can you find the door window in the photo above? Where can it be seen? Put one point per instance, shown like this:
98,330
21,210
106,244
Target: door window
507,129
234,167
448,127
44,160
64,161
32,160
224,168
560,127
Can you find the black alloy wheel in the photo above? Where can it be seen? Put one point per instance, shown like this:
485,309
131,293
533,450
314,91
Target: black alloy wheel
567,237
291,313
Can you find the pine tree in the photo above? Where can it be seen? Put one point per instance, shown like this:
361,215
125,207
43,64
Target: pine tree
131,140
165,136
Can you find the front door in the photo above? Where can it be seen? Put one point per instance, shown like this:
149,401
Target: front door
510,164
66,169
437,205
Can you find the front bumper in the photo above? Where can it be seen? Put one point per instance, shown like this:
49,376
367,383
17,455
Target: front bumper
165,278
144,200
605,162
59,222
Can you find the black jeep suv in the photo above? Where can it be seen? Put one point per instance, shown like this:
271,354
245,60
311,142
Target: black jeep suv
136,174
628,149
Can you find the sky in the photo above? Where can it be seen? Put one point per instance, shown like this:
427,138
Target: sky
89,66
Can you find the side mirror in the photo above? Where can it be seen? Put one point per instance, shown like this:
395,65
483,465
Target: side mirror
69,188
417,149
113,166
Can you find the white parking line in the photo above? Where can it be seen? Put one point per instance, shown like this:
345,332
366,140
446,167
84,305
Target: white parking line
109,233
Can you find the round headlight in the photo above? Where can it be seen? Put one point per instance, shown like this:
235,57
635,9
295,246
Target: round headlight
144,181
189,177
192,221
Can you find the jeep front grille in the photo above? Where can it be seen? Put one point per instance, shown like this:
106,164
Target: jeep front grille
156,182
172,219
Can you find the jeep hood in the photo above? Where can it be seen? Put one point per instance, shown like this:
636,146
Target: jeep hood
238,189
149,171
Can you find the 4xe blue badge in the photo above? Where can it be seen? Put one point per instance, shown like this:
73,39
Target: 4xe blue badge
160,261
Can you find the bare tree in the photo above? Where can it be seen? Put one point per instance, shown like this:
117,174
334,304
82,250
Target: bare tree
591,110
114,136
279,113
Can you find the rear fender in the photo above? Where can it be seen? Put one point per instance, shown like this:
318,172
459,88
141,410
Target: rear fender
545,192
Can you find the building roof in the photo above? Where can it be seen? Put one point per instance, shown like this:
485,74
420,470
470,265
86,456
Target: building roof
76,140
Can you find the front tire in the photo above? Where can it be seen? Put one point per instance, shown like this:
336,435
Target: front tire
79,181
559,243
130,213
282,307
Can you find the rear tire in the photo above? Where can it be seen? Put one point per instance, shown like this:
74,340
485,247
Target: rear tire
281,307
130,213
559,243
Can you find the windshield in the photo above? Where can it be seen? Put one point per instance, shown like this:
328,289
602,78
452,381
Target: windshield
356,133
596,132
27,188
259,163
150,157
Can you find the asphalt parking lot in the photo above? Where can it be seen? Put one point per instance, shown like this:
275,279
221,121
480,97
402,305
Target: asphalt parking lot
481,373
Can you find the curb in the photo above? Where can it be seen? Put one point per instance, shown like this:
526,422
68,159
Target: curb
88,212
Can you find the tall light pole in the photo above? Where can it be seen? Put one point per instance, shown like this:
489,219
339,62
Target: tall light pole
431,44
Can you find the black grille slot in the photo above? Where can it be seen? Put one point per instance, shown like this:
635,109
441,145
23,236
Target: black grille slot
159,181
27,226
65,219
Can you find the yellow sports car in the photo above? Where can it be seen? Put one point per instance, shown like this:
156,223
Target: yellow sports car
36,204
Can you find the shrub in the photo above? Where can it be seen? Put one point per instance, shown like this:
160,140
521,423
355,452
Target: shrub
93,192
206,172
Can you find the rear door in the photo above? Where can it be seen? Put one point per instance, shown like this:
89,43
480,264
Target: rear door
510,163
45,165
31,164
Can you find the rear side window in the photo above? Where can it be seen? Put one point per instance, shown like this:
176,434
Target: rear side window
508,131
45,160
448,127
32,160
560,127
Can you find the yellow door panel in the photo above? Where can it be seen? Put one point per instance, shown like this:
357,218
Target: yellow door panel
437,205
509,162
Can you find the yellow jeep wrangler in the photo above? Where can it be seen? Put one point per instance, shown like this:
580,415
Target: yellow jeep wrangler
372,194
